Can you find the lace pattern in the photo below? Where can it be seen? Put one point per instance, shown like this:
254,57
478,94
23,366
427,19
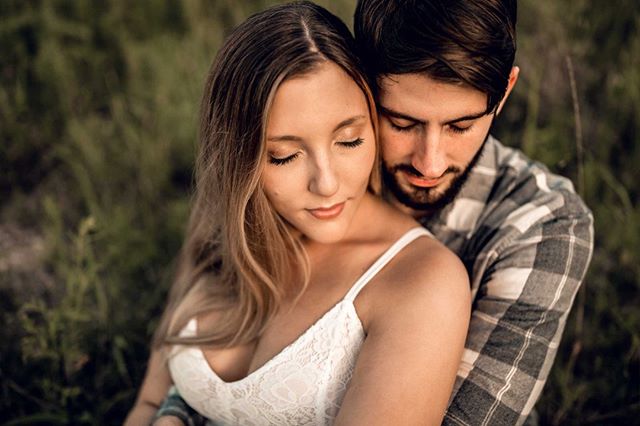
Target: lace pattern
304,384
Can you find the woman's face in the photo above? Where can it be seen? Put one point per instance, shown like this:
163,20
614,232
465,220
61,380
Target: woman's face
320,152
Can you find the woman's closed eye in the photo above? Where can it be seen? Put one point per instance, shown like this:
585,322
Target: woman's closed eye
352,144
280,161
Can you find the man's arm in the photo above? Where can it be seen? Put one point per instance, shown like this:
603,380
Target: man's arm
518,317
174,407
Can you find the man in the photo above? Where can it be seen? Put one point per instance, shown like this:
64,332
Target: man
443,71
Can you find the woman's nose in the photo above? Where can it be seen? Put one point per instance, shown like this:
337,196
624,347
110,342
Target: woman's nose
324,180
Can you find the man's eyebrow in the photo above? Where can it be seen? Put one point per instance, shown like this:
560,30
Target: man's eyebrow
392,113
291,138
467,117
396,114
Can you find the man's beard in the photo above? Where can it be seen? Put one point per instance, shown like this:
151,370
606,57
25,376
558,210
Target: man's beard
427,201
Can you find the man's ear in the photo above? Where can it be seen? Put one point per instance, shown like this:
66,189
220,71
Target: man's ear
513,78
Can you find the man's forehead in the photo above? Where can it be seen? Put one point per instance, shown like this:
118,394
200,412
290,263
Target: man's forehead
424,98
390,81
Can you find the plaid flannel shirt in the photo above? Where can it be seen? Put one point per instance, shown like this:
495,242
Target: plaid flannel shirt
526,240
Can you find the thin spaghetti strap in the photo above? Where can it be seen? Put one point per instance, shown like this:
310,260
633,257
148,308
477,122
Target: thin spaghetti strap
401,243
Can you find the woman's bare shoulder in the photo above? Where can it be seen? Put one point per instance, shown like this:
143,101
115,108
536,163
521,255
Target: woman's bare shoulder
419,315
425,276
427,260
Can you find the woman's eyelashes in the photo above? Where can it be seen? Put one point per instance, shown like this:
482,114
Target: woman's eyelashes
352,144
280,161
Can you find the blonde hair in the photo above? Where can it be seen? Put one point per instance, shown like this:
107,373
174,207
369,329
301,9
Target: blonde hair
239,259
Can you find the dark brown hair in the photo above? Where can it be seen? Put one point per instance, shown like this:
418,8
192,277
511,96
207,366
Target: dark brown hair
454,41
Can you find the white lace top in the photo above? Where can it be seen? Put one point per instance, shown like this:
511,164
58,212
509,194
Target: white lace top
304,384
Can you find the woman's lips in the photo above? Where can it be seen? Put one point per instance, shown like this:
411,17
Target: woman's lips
325,213
421,182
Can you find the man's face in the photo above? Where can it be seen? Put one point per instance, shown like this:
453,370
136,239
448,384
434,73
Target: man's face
431,133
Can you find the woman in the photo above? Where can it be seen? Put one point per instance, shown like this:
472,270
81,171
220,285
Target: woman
301,297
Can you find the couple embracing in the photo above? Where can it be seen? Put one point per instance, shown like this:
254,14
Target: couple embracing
360,250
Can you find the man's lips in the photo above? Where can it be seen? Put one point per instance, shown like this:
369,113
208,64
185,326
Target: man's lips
420,181
325,213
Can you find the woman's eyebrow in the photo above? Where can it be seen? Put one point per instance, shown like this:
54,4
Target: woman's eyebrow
284,138
348,122
342,124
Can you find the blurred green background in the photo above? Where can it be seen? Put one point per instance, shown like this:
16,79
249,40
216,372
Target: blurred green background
98,112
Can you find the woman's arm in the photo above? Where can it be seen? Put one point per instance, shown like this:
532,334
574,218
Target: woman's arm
154,389
415,337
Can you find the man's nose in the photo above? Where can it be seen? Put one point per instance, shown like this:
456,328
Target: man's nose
430,157
324,179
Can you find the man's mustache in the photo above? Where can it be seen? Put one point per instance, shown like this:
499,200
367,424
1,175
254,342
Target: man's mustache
408,168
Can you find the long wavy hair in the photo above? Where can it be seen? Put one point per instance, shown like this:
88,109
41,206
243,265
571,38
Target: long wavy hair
238,258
